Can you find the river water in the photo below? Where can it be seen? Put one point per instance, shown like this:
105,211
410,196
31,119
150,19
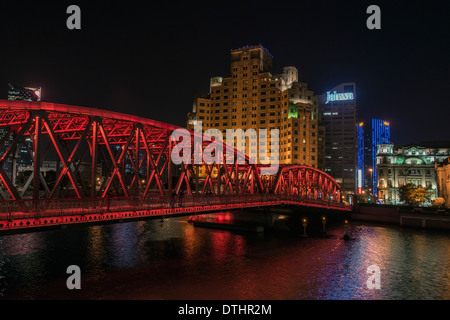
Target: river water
171,259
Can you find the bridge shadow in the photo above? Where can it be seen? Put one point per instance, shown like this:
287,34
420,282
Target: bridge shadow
282,220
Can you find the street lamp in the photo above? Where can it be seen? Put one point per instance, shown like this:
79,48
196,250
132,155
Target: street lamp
371,177
346,236
305,224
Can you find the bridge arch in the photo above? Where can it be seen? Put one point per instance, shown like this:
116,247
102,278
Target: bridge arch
307,182
102,154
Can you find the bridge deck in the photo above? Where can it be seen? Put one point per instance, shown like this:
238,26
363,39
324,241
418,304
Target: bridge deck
15,215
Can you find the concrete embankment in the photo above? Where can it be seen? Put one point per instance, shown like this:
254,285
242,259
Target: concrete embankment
426,218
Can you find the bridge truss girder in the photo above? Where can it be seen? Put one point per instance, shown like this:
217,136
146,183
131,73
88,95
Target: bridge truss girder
103,154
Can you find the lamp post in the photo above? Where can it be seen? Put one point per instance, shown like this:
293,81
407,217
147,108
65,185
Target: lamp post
324,221
372,184
346,236
305,224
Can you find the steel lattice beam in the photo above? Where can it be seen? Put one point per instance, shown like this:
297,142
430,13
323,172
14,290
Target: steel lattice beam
135,155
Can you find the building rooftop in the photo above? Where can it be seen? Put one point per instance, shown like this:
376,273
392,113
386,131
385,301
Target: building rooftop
259,46
425,144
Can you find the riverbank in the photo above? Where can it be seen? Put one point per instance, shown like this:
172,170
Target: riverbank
424,218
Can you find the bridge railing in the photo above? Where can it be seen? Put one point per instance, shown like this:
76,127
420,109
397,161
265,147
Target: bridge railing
63,207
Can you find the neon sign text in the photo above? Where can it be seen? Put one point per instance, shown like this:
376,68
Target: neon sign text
333,96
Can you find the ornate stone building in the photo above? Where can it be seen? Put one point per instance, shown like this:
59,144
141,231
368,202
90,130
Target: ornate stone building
400,165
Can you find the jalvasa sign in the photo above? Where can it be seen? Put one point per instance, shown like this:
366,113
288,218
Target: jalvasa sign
334,96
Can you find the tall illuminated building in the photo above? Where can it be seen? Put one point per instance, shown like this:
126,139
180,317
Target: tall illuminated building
254,98
24,160
337,108
370,135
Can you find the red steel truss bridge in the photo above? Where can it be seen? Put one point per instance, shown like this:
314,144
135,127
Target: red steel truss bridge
62,164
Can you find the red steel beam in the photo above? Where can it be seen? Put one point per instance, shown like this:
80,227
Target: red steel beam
104,130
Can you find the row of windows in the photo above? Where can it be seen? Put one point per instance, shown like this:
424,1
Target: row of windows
243,116
243,123
225,104
284,157
272,106
263,93
296,140
244,68
300,96
401,182
244,75
313,150
254,87
409,171
244,95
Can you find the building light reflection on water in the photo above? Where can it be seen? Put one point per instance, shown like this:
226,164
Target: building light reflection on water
96,249
175,260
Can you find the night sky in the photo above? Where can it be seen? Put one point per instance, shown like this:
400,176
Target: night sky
151,59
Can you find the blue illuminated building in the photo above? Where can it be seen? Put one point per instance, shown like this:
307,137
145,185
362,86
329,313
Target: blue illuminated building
368,137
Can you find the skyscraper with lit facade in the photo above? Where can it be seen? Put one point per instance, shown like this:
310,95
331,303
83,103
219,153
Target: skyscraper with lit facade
254,98
23,93
337,108
370,134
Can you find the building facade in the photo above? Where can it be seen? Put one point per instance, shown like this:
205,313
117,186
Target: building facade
20,157
370,135
23,93
338,108
400,165
443,180
253,98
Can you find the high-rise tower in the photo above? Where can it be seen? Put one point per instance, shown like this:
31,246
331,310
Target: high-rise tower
370,135
337,108
253,98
